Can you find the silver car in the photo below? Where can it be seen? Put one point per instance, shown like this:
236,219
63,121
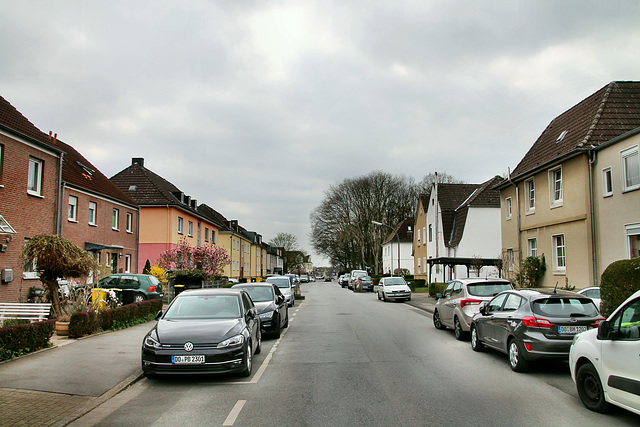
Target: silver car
462,299
286,287
393,289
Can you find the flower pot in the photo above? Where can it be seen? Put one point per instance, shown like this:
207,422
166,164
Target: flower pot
62,328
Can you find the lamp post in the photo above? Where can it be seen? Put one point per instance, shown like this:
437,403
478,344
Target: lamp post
397,237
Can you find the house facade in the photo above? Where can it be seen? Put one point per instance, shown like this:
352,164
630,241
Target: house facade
419,246
574,196
397,249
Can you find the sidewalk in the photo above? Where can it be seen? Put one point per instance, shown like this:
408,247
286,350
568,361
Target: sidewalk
54,386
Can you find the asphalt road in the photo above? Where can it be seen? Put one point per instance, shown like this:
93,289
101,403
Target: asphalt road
350,360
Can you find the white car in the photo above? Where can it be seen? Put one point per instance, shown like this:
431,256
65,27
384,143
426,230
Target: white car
592,292
604,362
393,288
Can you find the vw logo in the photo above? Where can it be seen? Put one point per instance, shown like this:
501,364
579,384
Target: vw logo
573,320
188,346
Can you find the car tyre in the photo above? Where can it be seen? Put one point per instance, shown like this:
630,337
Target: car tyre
590,389
437,322
259,346
139,297
379,296
476,344
384,297
247,362
278,330
457,330
516,360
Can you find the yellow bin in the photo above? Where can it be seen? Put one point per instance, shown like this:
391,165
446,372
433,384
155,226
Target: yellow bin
99,298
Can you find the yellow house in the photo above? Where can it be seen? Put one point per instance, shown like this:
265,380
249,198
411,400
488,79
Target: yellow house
574,196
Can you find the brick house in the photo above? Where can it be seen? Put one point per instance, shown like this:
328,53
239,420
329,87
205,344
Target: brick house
574,196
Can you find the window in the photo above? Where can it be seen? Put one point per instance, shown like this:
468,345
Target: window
633,240
213,236
34,185
190,229
424,264
180,225
206,234
507,207
510,259
93,213
625,326
419,266
630,162
530,188
73,209
555,187
418,237
430,232
129,222
29,269
127,263
532,247
607,183
115,218
559,253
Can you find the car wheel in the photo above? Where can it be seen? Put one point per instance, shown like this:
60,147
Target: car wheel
248,361
457,330
590,389
437,322
278,330
259,346
476,344
286,321
379,296
516,360
139,297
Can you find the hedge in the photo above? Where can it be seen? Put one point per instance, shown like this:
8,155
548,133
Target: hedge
436,288
87,323
617,283
21,339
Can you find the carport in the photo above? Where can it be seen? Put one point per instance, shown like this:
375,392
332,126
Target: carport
451,262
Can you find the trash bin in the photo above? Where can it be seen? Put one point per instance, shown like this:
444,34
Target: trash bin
99,298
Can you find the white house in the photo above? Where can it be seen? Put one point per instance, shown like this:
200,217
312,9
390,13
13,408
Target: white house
402,233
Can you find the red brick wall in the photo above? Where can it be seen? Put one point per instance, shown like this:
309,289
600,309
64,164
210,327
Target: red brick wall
28,215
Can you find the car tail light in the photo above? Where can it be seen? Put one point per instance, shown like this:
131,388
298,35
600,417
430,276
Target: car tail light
536,322
597,322
469,301
528,346
152,288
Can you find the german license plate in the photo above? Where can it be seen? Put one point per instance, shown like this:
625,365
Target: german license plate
188,360
571,329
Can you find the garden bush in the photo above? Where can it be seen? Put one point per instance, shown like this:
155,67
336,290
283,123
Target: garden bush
416,283
435,288
24,338
83,323
617,283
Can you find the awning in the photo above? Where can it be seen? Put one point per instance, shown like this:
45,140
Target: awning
96,247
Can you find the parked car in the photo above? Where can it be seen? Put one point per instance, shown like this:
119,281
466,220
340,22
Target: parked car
134,287
285,284
343,280
532,324
592,292
327,279
604,362
394,289
461,300
353,276
363,283
271,305
204,331
304,278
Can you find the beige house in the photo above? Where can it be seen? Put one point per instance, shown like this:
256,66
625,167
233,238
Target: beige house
573,196
419,238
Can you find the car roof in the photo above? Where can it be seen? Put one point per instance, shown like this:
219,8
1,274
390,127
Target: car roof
211,291
481,280
252,284
539,293
280,277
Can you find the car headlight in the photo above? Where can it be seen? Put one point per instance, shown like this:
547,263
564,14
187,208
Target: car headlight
266,316
151,342
232,342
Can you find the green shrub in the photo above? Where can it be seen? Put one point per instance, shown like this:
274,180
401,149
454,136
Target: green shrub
22,339
436,288
617,283
416,283
531,272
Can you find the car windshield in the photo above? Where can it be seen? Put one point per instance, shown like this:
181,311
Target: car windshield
487,289
281,282
259,293
204,307
565,307
394,281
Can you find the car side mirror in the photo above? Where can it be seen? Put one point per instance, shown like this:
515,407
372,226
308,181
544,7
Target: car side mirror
483,310
439,295
604,330
158,315
280,299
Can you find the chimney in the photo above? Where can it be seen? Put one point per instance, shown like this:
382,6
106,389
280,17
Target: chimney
137,161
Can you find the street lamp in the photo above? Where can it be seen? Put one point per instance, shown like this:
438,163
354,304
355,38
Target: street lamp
397,237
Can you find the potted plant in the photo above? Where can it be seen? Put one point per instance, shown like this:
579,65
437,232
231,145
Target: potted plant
62,325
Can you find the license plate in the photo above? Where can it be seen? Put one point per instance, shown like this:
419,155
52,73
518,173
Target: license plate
188,360
571,329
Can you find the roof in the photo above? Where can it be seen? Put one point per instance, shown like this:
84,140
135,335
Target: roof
608,113
403,231
13,120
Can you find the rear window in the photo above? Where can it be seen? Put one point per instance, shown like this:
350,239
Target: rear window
565,307
487,289
279,282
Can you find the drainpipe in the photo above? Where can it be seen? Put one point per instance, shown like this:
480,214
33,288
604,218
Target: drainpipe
517,209
592,159
60,198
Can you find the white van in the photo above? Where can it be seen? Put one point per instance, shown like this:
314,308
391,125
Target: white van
354,275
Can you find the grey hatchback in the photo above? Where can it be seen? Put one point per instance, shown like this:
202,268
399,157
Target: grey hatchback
531,324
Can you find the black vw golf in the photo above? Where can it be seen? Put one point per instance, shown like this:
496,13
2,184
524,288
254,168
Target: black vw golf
531,324
204,331
271,305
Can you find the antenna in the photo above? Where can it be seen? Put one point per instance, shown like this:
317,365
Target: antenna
555,290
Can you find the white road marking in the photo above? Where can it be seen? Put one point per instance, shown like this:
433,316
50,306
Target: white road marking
234,413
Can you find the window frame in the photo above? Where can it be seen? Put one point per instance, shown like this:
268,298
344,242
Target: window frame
508,208
115,219
72,208
129,222
530,189
94,220
557,268
127,263
553,200
629,152
629,231
530,248
180,225
190,228
38,178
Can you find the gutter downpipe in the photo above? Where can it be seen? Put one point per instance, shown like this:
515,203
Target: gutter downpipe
517,209
592,156
60,198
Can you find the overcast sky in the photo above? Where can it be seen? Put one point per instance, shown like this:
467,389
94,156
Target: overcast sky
257,107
